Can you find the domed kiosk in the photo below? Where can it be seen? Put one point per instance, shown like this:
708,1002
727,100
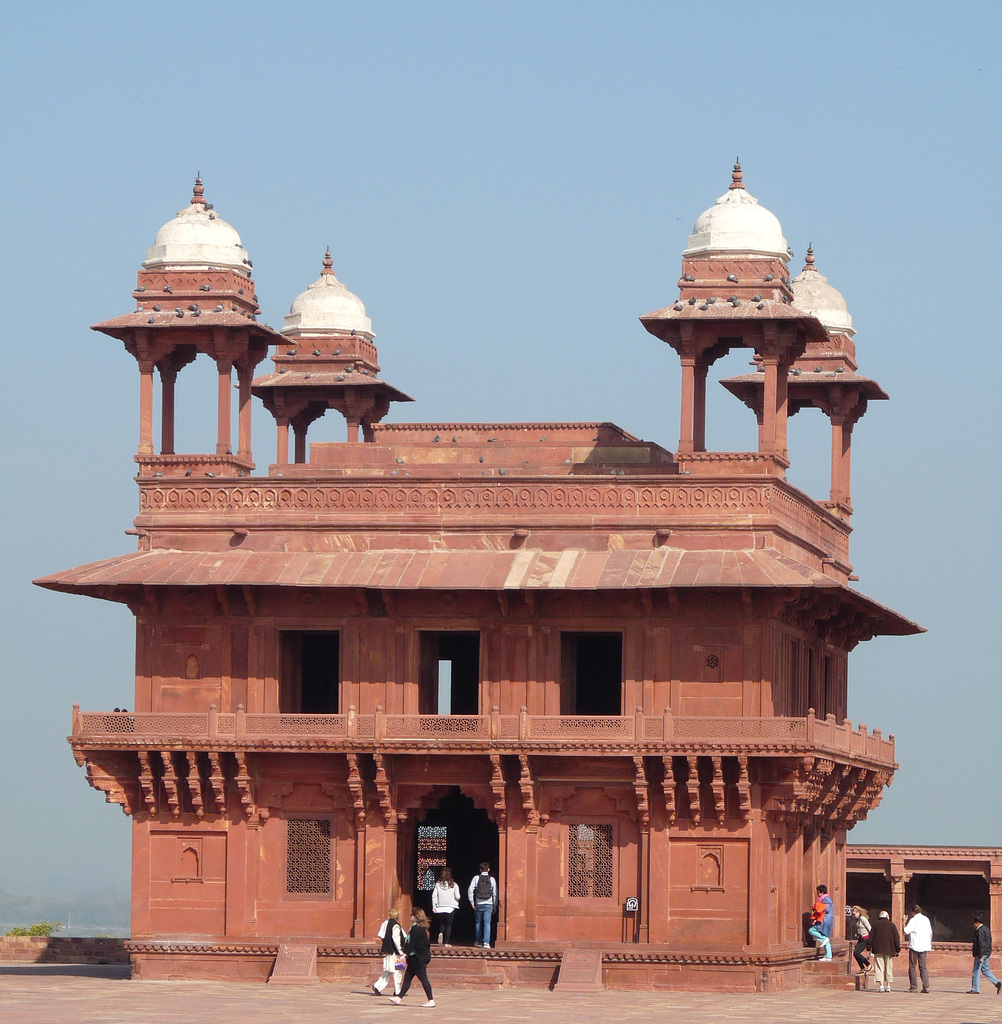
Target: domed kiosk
195,295
327,361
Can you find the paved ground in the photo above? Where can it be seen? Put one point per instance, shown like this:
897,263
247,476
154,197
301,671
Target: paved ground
104,995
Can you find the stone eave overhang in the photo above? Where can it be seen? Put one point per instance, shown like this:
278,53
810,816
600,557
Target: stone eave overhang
748,385
125,577
306,383
666,323
124,327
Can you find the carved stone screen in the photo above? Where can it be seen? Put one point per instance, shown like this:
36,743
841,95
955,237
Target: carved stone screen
431,854
308,856
589,861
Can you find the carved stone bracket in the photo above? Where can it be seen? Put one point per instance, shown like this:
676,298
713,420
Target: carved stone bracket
217,780
498,789
640,792
193,779
668,786
692,785
744,786
528,789
385,790
115,777
717,786
171,785
147,782
245,787
356,786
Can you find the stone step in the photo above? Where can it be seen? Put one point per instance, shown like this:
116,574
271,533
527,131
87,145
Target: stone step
830,974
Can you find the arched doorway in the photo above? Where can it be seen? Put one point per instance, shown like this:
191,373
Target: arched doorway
460,835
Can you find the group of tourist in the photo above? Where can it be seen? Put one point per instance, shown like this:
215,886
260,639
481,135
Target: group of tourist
406,957
875,946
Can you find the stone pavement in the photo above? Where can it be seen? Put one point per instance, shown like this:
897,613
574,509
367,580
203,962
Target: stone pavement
67,994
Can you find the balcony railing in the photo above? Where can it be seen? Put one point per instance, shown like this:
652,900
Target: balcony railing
521,731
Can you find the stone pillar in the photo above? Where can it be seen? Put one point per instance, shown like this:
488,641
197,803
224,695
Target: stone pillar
146,407
531,880
658,891
995,901
841,459
762,899
167,381
685,440
898,877
699,407
502,873
645,883
768,439
282,455
224,406
244,375
299,431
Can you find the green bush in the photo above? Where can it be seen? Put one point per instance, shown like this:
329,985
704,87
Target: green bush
45,928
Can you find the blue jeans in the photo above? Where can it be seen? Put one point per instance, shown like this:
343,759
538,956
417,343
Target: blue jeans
484,912
981,967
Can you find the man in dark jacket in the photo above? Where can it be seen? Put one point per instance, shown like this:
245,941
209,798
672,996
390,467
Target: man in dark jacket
886,944
982,950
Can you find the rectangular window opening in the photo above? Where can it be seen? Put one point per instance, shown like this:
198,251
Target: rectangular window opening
449,677
589,861
310,673
592,674
308,857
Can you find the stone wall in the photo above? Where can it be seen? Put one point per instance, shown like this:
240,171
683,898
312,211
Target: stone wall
36,949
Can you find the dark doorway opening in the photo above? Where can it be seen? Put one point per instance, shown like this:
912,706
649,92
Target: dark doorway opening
592,674
449,679
460,835
310,673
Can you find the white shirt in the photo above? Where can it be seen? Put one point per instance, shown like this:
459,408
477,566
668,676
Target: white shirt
919,932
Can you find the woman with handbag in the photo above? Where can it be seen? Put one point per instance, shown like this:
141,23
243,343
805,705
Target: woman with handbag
418,957
862,924
391,945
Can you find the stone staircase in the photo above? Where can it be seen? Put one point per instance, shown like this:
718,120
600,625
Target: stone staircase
837,973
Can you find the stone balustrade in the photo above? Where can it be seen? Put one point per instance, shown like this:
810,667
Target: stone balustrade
476,732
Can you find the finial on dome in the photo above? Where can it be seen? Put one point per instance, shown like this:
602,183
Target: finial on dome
809,258
328,263
198,193
737,178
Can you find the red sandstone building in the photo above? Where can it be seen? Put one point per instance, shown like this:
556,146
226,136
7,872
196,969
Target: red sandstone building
619,673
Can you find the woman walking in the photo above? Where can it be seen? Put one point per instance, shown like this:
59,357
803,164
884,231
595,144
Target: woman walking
444,904
418,957
391,945
862,924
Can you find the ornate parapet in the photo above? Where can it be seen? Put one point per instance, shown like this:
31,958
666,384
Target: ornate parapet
570,734
154,467
534,501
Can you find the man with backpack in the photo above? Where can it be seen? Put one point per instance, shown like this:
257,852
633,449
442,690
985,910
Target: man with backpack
483,896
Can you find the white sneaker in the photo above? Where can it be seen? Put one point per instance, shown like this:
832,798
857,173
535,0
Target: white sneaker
431,1002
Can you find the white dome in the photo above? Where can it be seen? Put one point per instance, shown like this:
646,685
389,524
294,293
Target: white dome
327,307
197,238
813,294
737,224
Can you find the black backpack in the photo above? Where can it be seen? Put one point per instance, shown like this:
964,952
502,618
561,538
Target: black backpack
484,893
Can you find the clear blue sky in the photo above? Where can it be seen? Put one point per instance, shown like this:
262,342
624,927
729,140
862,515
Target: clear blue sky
507,187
